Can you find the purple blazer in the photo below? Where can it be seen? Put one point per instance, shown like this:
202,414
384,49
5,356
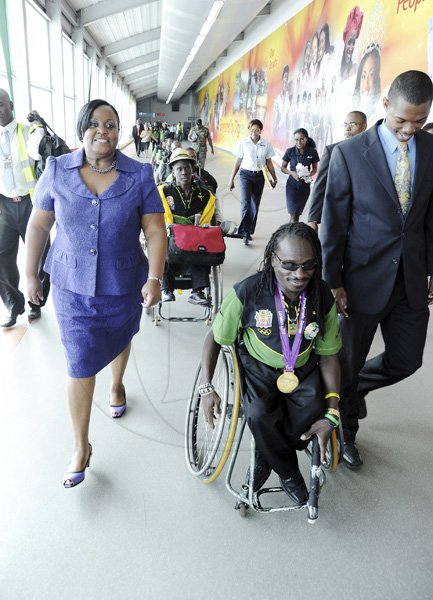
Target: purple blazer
97,248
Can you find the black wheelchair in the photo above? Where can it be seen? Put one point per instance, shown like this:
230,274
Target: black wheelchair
207,450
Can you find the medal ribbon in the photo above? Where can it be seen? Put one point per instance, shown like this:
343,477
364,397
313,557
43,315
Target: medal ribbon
290,354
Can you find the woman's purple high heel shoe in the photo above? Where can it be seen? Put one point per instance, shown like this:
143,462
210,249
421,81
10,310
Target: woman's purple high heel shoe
74,478
117,411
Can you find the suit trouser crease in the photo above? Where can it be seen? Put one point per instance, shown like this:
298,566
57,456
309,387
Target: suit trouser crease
14,217
404,331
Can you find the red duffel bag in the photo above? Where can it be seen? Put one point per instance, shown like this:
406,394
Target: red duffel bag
191,245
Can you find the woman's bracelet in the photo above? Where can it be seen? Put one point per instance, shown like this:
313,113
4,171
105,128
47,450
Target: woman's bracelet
154,278
205,388
332,395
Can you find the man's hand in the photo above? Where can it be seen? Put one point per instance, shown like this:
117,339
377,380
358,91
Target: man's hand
340,298
231,185
211,404
323,431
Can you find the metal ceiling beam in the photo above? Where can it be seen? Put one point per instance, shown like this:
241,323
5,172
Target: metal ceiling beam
140,75
149,91
130,42
140,61
109,8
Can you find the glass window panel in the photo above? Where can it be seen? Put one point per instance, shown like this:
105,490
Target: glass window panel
68,67
70,120
41,101
39,54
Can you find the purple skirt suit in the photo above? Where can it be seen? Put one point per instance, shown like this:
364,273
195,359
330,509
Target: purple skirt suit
96,262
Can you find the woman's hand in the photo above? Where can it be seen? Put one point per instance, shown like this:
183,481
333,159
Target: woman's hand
151,292
231,185
34,289
323,431
211,404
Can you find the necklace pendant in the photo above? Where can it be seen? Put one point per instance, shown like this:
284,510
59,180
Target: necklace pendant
292,328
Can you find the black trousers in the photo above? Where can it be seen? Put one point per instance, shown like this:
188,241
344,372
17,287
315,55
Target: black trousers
251,185
404,333
199,276
277,420
14,217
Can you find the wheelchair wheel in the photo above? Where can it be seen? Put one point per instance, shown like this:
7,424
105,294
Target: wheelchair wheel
334,450
216,291
207,449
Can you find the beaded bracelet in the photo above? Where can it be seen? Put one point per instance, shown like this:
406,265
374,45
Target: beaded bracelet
205,388
333,411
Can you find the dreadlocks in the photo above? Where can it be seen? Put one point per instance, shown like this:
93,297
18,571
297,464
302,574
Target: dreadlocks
266,270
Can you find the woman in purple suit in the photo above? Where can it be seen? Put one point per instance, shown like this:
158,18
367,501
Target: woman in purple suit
100,201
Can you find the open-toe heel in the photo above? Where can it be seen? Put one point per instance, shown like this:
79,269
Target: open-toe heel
74,478
117,411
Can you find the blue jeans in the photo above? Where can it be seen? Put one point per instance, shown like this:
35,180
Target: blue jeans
251,193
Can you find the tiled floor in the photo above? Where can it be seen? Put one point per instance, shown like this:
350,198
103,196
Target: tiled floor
141,527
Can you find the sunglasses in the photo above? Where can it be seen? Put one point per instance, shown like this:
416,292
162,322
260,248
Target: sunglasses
309,265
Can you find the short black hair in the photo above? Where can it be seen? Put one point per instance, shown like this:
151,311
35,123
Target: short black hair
86,113
255,122
413,86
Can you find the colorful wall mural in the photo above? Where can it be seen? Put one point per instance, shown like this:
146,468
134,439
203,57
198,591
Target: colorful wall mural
330,58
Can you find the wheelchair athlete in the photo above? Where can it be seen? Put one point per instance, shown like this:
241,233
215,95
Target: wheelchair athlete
268,314
183,199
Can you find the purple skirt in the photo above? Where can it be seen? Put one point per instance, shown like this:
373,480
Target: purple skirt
95,330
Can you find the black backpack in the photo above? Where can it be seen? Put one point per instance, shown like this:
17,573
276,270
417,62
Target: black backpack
50,145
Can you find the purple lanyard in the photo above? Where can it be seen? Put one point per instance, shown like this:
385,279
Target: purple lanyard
290,354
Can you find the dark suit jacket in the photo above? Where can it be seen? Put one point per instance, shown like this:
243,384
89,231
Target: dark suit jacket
364,234
319,187
136,131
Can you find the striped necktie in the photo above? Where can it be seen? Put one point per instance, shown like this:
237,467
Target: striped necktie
402,176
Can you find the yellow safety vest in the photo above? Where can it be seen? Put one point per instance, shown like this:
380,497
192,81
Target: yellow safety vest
26,162
206,215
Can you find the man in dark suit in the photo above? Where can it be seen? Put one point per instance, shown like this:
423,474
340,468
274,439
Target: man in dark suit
136,134
354,123
377,238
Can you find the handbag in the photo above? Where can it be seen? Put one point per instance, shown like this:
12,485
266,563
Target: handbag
191,245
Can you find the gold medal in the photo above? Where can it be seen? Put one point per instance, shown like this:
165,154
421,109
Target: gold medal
287,382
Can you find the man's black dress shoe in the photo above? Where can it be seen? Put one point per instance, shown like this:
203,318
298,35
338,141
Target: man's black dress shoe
362,407
35,313
11,318
351,457
295,488
262,470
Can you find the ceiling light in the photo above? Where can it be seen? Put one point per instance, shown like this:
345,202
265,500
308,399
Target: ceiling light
207,25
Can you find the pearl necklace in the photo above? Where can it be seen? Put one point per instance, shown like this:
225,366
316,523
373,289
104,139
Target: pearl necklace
102,171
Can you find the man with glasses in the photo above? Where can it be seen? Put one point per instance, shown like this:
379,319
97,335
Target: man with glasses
354,123
377,239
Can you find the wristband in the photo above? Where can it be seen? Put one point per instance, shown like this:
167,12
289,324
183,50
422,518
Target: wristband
154,278
333,411
332,395
332,421
205,388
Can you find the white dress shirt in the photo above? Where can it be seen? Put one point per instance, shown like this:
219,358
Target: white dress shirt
253,155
